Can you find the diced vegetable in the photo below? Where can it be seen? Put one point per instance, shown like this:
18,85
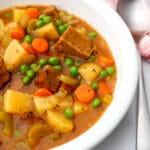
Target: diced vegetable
17,33
37,131
40,45
24,68
1,29
26,80
6,39
105,62
58,67
95,85
110,70
43,61
92,58
84,93
92,35
47,31
17,102
7,120
42,92
69,61
107,98
68,80
32,13
42,104
15,55
10,26
103,74
40,23
104,89
18,14
28,48
80,108
89,71
66,102
59,122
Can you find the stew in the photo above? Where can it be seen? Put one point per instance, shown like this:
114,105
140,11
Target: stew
57,77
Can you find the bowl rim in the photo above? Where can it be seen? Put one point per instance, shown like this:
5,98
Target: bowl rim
85,140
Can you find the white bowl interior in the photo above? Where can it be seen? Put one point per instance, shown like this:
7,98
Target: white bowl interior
117,35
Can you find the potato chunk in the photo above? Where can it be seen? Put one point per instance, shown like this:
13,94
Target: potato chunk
47,31
89,71
17,102
59,122
80,108
7,120
18,14
37,131
15,55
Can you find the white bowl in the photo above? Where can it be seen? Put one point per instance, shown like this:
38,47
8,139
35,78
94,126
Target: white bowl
106,21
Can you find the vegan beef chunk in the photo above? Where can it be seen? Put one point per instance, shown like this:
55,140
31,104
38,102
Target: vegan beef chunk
74,44
4,74
48,78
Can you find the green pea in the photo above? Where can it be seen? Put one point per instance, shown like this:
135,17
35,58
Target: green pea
58,67
47,19
96,103
68,61
74,71
95,85
42,16
69,113
58,23
53,61
103,74
30,73
39,23
7,14
66,25
43,61
24,68
92,35
33,66
28,39
37,68
61,29
26,80
91,58
110,70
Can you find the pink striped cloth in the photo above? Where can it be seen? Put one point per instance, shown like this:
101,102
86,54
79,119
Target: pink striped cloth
144,44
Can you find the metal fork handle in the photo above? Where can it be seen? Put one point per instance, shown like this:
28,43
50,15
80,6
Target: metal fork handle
143,118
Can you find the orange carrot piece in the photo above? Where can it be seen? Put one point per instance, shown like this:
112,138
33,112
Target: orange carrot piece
40,45
104,89
42,92
28,48
17,33
84,94
105,62
32,13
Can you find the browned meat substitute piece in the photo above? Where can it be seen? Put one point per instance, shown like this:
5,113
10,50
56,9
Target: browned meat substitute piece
48,78
4,74
74,44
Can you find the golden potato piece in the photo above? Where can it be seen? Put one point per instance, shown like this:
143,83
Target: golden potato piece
80,108
89,71
7,120
17,102
15,55
58,122
47,31
18,14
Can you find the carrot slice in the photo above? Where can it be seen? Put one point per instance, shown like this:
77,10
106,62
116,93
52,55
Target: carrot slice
32,13
104,89
28,48
105,62
84,94
42,92
17,33
40,45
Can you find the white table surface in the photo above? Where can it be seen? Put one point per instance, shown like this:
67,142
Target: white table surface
124,136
